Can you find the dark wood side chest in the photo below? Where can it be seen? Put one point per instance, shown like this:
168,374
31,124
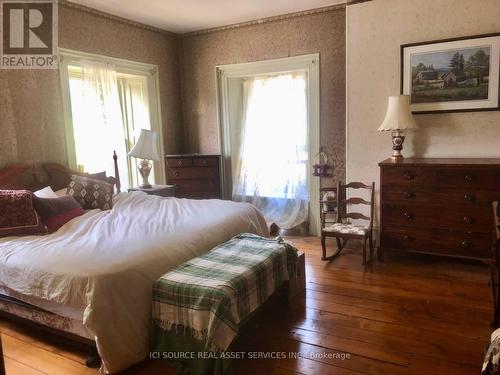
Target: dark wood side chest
194,176
439,206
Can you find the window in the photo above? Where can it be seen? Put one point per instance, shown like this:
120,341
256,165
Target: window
106,103
271,170
269,122
275,109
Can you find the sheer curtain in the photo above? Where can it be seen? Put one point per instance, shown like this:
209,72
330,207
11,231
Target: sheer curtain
97,120
271,171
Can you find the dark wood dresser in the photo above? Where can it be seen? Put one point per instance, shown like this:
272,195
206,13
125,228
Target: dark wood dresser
195,176
439,206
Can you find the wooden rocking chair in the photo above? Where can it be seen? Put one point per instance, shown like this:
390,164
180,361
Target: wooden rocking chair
342,229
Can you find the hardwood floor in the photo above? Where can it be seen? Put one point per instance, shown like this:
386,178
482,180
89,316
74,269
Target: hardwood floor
409,315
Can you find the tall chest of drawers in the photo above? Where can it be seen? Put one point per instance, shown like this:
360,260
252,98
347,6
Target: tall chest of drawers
438,206
195,176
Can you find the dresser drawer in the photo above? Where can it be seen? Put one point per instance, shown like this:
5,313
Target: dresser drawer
438,241
206,162
469,177
192,173
477,219
408,176
179,162
440,195
209,185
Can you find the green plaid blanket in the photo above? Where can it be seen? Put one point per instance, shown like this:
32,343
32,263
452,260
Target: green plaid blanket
208,297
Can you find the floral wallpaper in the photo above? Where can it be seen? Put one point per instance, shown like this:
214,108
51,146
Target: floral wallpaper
321,32
31,116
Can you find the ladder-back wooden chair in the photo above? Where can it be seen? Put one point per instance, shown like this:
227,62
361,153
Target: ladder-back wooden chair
342,229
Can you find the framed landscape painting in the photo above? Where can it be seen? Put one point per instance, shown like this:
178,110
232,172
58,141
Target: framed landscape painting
453,75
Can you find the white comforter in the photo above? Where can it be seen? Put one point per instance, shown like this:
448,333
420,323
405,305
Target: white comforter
105,262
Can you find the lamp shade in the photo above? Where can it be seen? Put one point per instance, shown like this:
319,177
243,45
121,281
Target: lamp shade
398,116
146,146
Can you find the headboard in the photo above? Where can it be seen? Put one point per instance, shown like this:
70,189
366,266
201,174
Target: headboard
24,177
19,177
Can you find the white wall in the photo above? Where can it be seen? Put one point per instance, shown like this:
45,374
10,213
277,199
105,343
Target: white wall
375,31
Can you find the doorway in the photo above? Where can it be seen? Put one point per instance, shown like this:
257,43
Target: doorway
269,125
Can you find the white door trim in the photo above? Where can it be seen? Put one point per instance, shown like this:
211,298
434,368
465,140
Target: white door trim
308,63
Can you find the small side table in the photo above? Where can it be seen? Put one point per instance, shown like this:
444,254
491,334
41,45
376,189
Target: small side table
159,190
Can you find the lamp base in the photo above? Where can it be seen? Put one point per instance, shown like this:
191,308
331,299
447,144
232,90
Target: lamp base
144,170
398,138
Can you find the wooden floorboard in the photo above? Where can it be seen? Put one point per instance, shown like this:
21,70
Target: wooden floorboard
412,314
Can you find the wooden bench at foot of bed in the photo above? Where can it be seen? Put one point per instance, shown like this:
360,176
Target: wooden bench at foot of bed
201,306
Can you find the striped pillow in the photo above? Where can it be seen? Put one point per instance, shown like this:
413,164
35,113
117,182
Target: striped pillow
56,212
19,217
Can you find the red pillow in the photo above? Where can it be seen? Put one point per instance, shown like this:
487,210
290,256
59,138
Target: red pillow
56,212
17,214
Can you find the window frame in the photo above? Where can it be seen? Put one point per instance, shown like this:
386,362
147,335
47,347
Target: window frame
150,71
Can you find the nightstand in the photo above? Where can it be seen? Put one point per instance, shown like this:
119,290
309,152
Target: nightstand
159,190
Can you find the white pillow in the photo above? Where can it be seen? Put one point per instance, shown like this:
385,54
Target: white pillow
46,192
61,193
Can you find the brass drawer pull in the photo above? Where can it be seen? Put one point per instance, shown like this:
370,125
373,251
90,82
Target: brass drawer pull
204,162
468,178
176,173
408,215
409,176
466,244
469,197
179,162
409,194
406,237
467,220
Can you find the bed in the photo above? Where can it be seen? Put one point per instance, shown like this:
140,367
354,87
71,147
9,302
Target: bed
93,277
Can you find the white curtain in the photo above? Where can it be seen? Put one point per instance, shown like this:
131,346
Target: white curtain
271,171
97,120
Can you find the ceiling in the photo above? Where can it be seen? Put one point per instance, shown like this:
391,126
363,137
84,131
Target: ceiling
182,16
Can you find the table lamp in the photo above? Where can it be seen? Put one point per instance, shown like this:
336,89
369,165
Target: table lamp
145,149
398,119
